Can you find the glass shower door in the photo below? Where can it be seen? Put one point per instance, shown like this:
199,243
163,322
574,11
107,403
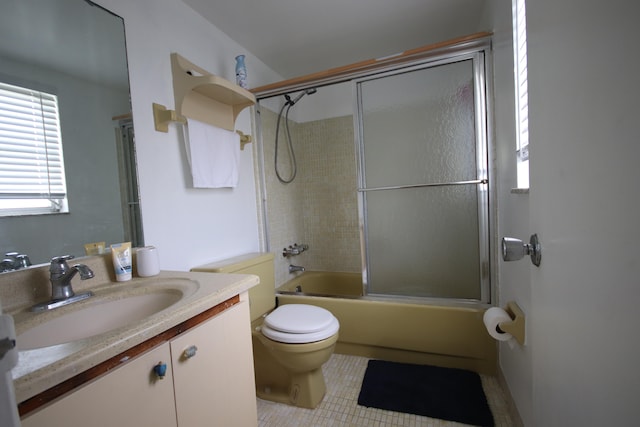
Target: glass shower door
423,181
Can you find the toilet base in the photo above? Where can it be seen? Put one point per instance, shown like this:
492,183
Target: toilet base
301,383
304,390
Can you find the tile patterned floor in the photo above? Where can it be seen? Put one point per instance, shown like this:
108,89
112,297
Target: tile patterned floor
343,375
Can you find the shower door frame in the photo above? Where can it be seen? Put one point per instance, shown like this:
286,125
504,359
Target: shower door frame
478,42
479,56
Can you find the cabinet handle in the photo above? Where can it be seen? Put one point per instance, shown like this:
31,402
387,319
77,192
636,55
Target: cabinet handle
160,370
190,352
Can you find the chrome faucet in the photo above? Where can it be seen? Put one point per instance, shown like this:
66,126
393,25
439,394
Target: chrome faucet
60,278
61,275
294,268
14,261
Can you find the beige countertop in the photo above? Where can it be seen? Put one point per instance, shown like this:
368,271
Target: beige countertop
42,368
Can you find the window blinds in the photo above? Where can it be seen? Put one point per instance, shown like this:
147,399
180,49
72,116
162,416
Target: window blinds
31,161
522,96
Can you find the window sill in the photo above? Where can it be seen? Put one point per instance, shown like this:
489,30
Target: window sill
519,191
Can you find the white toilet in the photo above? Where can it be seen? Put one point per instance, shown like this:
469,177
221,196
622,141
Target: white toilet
290,343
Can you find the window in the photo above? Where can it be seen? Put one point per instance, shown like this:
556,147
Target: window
32,179
521,91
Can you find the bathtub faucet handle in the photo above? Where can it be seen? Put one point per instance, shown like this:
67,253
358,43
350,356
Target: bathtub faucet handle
294,250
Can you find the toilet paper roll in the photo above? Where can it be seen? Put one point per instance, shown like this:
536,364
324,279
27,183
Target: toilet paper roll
492,318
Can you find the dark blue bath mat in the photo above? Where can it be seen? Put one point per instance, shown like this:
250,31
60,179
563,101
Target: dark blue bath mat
444,393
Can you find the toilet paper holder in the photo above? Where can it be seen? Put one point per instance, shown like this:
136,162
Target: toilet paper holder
516,326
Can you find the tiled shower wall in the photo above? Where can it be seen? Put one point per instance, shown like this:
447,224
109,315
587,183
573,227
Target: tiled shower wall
320,207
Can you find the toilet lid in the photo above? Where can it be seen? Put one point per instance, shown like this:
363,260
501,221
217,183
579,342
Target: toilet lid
288,338
299,319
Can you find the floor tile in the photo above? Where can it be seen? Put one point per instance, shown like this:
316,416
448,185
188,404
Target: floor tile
339,408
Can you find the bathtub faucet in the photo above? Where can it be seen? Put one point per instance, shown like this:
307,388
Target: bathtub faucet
294,268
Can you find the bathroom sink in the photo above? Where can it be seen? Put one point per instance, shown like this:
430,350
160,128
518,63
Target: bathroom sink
98,315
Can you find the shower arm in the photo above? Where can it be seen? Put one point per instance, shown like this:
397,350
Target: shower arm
300,95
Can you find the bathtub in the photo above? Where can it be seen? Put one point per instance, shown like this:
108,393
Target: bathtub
410,332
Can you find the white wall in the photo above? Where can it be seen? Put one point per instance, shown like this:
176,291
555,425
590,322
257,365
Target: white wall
189,226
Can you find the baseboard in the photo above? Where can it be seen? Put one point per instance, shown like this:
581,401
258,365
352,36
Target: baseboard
511,405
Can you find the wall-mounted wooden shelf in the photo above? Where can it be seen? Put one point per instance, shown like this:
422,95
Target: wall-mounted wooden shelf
202,96
205,97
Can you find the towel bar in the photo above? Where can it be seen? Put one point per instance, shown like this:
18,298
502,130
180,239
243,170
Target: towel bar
162,117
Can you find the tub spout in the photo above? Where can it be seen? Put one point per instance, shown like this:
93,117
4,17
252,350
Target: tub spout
294,268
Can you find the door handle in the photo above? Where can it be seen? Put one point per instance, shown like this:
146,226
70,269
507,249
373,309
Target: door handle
515,249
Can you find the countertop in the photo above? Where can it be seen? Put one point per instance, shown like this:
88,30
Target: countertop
42,368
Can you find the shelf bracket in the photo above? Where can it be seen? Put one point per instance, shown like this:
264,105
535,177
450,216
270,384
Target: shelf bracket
244,139
162,117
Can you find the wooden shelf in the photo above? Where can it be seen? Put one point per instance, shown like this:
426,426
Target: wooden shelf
224,91
205,97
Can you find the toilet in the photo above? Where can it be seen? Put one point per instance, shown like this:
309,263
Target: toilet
290,342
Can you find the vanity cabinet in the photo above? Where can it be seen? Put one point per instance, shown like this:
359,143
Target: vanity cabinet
208,382
127,396
216,386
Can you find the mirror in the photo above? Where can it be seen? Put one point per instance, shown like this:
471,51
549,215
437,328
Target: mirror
75,50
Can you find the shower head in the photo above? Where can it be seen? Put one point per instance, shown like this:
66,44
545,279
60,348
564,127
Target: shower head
310,91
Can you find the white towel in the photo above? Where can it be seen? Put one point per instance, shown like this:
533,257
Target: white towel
214,155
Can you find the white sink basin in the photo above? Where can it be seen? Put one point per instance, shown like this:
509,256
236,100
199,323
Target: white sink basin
97,315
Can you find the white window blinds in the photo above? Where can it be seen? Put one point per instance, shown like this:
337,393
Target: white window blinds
521,91
31,160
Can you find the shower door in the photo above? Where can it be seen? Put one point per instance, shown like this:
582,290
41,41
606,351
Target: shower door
423,180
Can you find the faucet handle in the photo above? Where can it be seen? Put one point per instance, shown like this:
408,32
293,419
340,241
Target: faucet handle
10,260
23,261
59,264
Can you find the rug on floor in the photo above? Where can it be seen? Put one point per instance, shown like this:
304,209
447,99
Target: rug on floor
444,393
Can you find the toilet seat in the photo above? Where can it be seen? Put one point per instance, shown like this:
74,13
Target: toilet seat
299,323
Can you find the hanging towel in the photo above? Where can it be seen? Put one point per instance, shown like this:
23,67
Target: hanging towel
214,155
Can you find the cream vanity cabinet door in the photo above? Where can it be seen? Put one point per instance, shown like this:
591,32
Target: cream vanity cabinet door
213,372
127,396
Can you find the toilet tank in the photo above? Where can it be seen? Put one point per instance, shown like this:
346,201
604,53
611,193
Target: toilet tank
262,297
